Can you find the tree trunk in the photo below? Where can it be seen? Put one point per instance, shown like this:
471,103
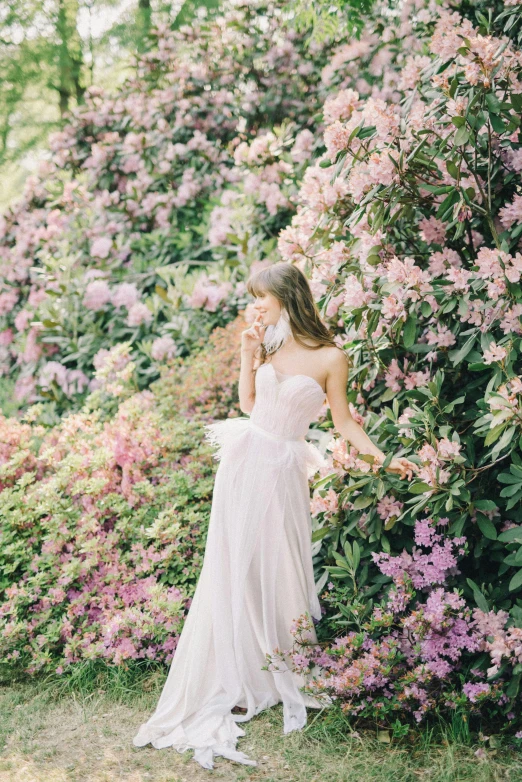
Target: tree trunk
70,55
144,23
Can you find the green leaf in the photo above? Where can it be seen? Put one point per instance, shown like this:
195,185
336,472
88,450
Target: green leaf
510,491
438,189
485,505
449,407
338,572
461,137
480,600
162,293
510,535
342,563
487,527
451,167
410,328
516,102
459,122
362,502
494,434
513,686
319,534
356,555
505,440
497,123
493,103
420,488
448,202
516,581
456,356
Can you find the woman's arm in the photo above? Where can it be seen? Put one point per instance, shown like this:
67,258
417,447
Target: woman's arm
246,387
251,339
345,424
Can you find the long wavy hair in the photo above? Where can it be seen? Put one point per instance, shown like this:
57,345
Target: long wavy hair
291,287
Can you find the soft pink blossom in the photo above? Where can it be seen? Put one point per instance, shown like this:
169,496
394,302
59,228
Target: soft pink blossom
138,313
97,295
101,247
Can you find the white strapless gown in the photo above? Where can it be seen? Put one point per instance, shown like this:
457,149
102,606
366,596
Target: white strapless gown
257,577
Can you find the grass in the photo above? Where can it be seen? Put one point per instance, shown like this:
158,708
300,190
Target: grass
55,733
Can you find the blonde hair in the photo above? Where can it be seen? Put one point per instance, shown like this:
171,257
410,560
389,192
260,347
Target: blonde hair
291,287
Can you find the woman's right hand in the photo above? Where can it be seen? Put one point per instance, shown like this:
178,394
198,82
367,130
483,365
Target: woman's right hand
253,336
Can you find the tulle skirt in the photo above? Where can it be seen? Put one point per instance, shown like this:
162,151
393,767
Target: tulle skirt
256,579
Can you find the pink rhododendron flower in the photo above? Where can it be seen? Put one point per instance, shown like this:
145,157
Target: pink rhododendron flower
8,299
22,319
24,389
101,247
302,148
336,138
163,347
6,337
340,106
97,295
388,507
33,349
494,353
432,230
447,449
326,504
138,313
125,295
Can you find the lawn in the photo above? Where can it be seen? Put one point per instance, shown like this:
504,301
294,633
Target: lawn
52,736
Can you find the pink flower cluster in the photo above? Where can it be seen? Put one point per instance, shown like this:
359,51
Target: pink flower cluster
424,569
345,460
434,458
503,643
208,293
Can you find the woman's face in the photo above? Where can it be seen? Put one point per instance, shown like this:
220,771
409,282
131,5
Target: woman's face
268,307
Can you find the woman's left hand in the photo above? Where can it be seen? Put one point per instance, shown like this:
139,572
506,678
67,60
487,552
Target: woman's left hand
402,467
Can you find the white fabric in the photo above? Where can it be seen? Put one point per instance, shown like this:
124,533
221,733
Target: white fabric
257,577
276,336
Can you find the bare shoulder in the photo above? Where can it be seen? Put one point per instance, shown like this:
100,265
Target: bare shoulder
335,359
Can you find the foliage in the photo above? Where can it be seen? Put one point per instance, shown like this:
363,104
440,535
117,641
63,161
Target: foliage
99,249
412,657
409,226
104,517
324,18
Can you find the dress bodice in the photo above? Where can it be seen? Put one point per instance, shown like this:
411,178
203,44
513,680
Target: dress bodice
285,406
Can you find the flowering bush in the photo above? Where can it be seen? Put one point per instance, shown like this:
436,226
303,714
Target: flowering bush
409,228
104,517
99,249
410,656
261,200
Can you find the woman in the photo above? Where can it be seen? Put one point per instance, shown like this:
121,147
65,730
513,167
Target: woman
257,575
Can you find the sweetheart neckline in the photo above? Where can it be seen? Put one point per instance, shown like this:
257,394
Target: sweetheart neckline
309,377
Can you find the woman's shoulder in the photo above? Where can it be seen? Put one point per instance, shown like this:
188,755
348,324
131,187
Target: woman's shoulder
333,356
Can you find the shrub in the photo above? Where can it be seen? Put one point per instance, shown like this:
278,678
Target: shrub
102,247
104,517
409,227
